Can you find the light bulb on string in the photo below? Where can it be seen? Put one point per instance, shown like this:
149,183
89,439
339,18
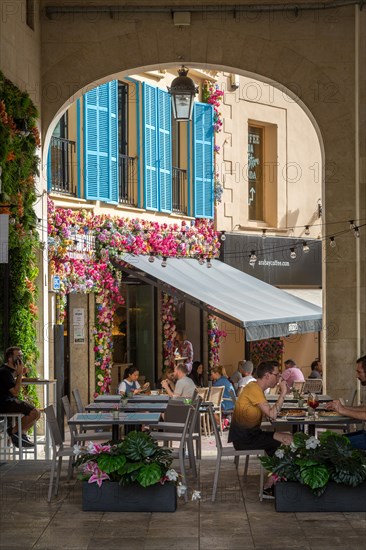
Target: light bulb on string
356,232
164,262
332,242
208,263
352,224
201,260
264,233
253,258
307,230
152,257
305,247
223,236
292,253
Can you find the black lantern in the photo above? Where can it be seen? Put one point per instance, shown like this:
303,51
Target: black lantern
183,90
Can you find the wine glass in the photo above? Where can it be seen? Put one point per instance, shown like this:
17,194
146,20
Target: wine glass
313,402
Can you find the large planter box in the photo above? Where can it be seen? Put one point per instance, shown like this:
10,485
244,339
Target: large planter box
294,497
111,497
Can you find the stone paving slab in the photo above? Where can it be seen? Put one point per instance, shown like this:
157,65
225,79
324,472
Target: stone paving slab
236,520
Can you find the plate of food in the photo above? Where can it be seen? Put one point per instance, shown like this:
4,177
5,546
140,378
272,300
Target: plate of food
293,414
331,415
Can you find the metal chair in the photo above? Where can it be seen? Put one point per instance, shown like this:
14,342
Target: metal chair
89,433
313,385
59,451
79,403
172,431
203,393
298,386
183,439
215,396
231,451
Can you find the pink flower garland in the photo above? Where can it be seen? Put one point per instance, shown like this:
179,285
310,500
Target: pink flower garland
215,336
168,317
266,350
80,247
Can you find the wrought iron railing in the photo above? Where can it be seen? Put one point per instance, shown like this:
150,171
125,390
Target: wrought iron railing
127,180
179,190
62,152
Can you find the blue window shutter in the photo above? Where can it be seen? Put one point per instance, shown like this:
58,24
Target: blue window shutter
101,143
113,157
165,150
149,114
203,160
91,149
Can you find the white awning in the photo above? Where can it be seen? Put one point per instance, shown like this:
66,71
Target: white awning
264,311
312,295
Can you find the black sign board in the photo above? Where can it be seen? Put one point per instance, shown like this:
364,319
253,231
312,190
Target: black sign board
274,264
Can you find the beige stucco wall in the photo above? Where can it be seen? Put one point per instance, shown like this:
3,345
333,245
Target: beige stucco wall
293,160
320,55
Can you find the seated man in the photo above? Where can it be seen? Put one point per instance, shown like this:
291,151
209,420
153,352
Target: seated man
184,386
291,374
316,369
236,377
11,374
357,439
245,431
247,369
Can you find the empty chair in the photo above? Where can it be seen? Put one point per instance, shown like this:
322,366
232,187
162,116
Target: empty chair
89,434
59,451
203,393
313,385
172,431
215,396
231,451
79,404
298,386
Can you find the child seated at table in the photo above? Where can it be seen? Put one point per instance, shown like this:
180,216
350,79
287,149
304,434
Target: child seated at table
130,383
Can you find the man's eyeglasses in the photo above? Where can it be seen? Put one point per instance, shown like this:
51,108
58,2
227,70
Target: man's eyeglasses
276,374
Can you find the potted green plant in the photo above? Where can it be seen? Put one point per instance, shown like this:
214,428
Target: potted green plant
325,474
133,475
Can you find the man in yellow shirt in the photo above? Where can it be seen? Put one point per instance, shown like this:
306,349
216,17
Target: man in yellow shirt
245,431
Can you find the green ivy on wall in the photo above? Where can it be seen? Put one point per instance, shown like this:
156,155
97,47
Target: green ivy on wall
19,139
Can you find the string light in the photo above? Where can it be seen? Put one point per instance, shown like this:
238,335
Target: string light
356,232
264,233
223,236
332,243
164,262
307,230
352,224
305,247
201,260
253,258
152,257
292,253
208,263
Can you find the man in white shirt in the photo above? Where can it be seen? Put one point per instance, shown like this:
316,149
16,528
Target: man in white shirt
247,369
184,386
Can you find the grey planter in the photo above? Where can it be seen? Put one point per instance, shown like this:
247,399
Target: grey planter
111,497
294,497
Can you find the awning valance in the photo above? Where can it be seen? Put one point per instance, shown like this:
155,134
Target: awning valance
264,311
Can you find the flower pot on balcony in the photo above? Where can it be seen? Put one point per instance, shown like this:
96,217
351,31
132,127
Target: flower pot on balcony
295,497
112,497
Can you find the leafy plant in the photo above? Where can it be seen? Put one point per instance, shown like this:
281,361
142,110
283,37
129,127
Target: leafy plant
137,458
314,462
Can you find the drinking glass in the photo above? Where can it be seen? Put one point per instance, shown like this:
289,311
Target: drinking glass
313,402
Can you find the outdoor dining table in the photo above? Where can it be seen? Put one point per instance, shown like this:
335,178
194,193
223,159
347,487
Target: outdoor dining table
110,419
291,399
131,406
297,423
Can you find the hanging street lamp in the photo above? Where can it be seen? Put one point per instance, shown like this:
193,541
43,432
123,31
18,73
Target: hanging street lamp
183,90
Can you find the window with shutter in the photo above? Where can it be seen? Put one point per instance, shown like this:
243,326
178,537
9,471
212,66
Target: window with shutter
157,149
203,160
101,143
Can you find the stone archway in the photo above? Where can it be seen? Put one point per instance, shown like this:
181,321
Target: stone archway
314,55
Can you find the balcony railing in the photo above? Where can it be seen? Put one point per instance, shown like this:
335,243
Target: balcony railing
62,153
127,180
179,190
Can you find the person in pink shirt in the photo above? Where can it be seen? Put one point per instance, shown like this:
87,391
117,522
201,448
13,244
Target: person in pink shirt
291,374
